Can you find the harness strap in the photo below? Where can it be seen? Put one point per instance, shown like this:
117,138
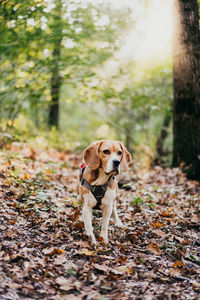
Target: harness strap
98,191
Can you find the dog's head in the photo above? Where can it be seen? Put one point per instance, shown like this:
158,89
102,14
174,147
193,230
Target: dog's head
108,155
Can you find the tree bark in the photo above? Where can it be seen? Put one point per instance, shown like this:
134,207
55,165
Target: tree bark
128,141
186,71
55,71
162,136
55,91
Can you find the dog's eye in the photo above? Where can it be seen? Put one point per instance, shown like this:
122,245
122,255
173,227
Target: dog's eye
106,151
119,153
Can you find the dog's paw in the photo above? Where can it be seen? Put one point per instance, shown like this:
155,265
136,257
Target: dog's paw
104,237
119,224
92,240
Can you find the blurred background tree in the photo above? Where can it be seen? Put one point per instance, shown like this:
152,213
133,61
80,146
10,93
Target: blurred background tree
47,43
76,71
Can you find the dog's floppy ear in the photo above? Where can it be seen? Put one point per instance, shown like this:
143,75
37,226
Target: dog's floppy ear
126,157
91,155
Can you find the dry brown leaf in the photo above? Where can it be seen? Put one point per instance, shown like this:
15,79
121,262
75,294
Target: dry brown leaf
174,272
160,233
102,268
154,248
178,264
53,251
85,251
157,224
65,284
166,214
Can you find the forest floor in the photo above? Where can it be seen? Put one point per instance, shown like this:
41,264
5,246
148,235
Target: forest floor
44,253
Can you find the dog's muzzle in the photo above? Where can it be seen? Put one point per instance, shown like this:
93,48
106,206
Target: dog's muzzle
116,164
114,167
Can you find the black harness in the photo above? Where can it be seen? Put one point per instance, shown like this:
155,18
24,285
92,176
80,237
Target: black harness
98,191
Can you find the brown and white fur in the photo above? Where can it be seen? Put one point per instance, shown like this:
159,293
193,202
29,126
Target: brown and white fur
104,159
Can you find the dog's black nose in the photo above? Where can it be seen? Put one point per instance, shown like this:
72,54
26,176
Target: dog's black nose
116,163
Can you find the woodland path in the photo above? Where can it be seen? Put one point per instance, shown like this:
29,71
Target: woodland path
44,253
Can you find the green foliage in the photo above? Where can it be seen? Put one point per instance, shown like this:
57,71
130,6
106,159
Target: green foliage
77,40
136,110
30,35
137,202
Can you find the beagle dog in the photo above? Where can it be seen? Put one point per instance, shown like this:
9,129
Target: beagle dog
98,186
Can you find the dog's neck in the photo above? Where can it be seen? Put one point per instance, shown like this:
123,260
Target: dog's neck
101,179
96,177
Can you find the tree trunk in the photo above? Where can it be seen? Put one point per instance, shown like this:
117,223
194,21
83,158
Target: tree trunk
55,90
186,71
163,134
128,141
55,77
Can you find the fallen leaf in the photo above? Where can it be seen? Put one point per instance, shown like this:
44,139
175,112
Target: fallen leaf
157,224
178,264
174,272
53,251
153,247
65,284
85,251
160,233
101,268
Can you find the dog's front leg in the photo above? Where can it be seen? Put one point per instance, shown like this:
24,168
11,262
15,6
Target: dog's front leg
106,213
107,207
117,221
87,215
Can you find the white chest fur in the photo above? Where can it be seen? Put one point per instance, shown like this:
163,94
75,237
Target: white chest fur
109,197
